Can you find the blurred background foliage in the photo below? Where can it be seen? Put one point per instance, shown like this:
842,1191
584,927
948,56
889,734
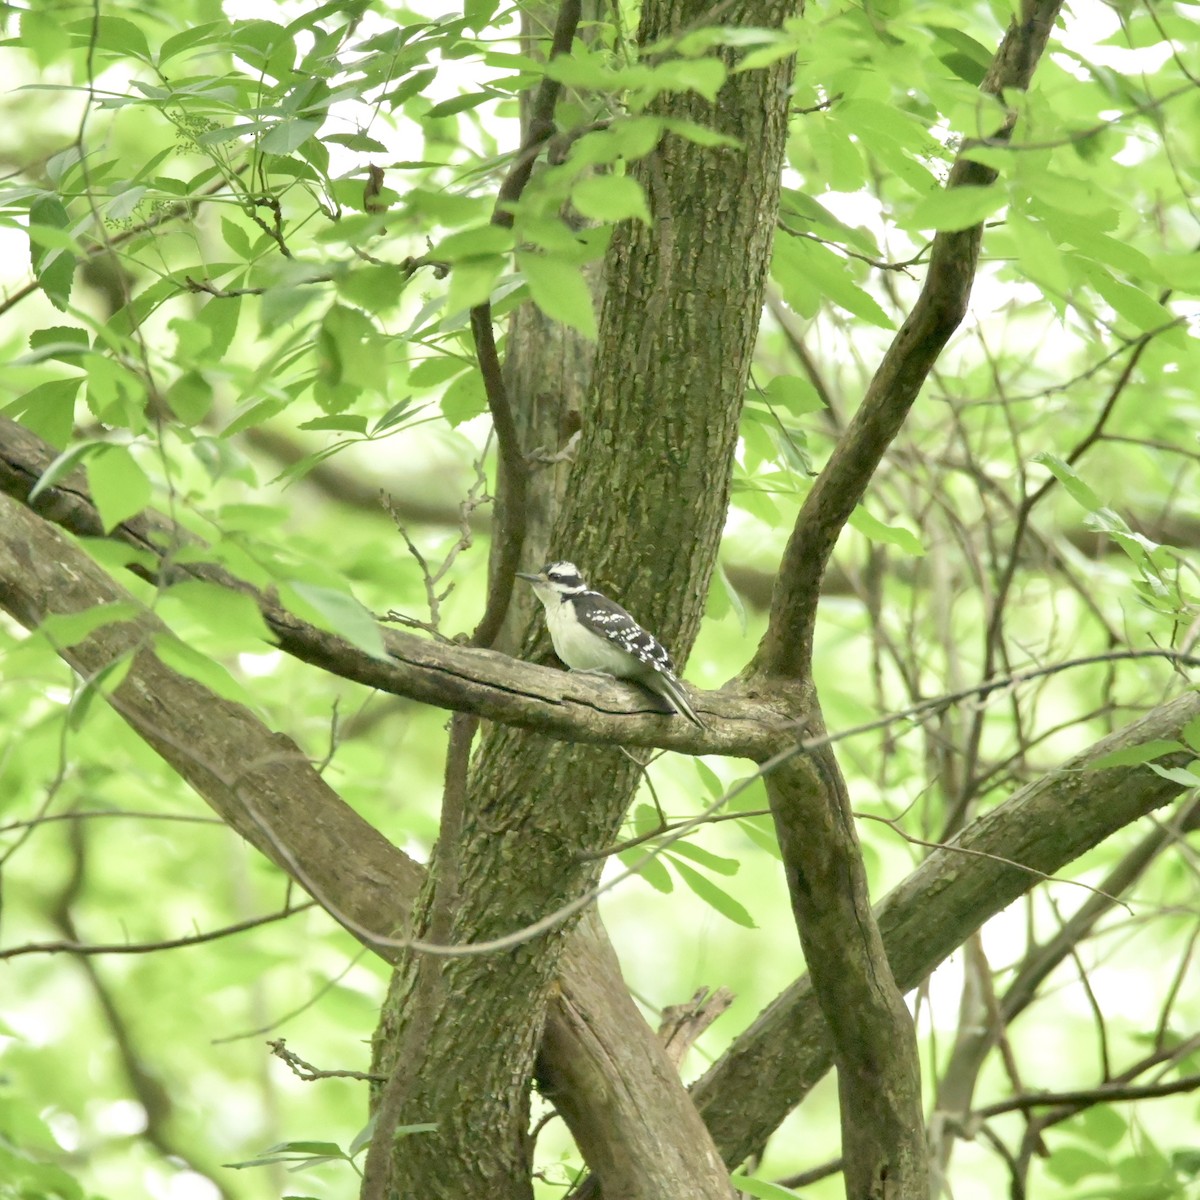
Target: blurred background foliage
217,304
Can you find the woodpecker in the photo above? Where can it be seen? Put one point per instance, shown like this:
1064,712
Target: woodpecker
594,634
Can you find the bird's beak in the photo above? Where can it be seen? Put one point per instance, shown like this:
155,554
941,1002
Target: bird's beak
531,578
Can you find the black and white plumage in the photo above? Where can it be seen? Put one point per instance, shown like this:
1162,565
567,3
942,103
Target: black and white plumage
592,633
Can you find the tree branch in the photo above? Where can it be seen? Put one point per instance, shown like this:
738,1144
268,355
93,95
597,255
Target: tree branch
509,535
578,708
873,1038
1045,825
786,648
195,939
1106,1093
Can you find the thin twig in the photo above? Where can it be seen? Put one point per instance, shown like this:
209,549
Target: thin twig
509,536
309,1073
197,939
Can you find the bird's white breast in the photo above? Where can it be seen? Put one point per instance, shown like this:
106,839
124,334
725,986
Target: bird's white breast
583,650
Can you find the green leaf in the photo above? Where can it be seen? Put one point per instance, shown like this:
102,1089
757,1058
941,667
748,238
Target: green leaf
1101,1125
1186,1162
341,423
1078,198
54,269
282,305
471,243
433,371
1185,778
761,831
839,159
250,518
627,138
403,412
795,394
709,778
349,351
236,238
103,683
892,535
418,1127
1070,1164
876,123
356,141
116,34
48,410
47,237
175,653
415,83
372,288
119,487
763,1189
343,615
712,895
266,46
706,858
69,629
1071,480
800,263
289,135
457,104
464,399
966,45
700,134
723,598
180,43
1130,302
703,75
957,208
190,397
232,616
326,1149
220,316
362,1139
646,820
1038,253
1132,756
610,198
64,342
115,556
560,291
651,871
1191,734
471,282
63,465
43,33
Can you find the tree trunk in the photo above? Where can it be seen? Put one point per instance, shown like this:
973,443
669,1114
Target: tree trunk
643,516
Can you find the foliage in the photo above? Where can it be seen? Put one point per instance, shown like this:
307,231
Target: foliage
251,252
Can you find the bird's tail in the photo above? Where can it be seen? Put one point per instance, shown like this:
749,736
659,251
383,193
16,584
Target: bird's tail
671,689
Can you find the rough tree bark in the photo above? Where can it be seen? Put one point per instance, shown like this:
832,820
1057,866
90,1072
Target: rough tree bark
643,513
874,1042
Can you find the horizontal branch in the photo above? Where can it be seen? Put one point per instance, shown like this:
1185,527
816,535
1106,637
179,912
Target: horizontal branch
1106,1093
194,939
578,708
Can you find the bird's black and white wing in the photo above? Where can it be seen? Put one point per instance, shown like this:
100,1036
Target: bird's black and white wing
640,655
